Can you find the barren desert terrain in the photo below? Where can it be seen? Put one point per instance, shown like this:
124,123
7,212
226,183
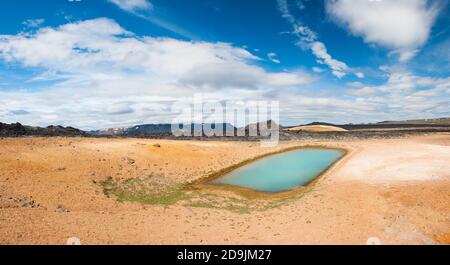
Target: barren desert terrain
397,190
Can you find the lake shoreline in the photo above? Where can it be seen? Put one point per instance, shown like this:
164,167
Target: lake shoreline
251,193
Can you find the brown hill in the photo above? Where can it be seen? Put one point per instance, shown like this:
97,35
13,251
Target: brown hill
316,128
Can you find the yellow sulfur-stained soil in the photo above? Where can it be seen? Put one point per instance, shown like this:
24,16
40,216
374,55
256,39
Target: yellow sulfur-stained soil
50,190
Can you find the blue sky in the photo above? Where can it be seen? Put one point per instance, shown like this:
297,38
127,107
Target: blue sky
106,63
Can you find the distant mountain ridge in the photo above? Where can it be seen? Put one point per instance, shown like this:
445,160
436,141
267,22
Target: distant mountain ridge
17,129
420,123
436,121
166,128
155,129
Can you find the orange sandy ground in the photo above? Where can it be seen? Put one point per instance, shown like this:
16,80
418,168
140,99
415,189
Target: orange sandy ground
395,189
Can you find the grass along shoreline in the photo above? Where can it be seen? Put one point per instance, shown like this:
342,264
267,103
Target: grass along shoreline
157,189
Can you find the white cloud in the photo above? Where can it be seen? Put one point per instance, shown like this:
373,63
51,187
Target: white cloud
359,74
133,5
106,76
305,33
273,57
119,108
317,69
402,85
33,23
308,39
140,8
339,69
404,97
285,13
400,25
363,92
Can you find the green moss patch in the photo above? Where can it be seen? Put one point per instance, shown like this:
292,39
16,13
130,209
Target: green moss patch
152,189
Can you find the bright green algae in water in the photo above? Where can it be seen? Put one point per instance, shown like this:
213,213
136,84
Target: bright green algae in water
282,172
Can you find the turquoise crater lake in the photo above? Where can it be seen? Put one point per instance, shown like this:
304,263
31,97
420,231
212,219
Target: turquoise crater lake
282,172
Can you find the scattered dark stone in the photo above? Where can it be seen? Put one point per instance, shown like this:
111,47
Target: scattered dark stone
18,202
129,160
157,145
61,209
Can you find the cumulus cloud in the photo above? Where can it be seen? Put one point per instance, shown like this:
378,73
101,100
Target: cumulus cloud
365,91
242,76
105,76
402,87
95,48
400,25
119,108
103,71
400,97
